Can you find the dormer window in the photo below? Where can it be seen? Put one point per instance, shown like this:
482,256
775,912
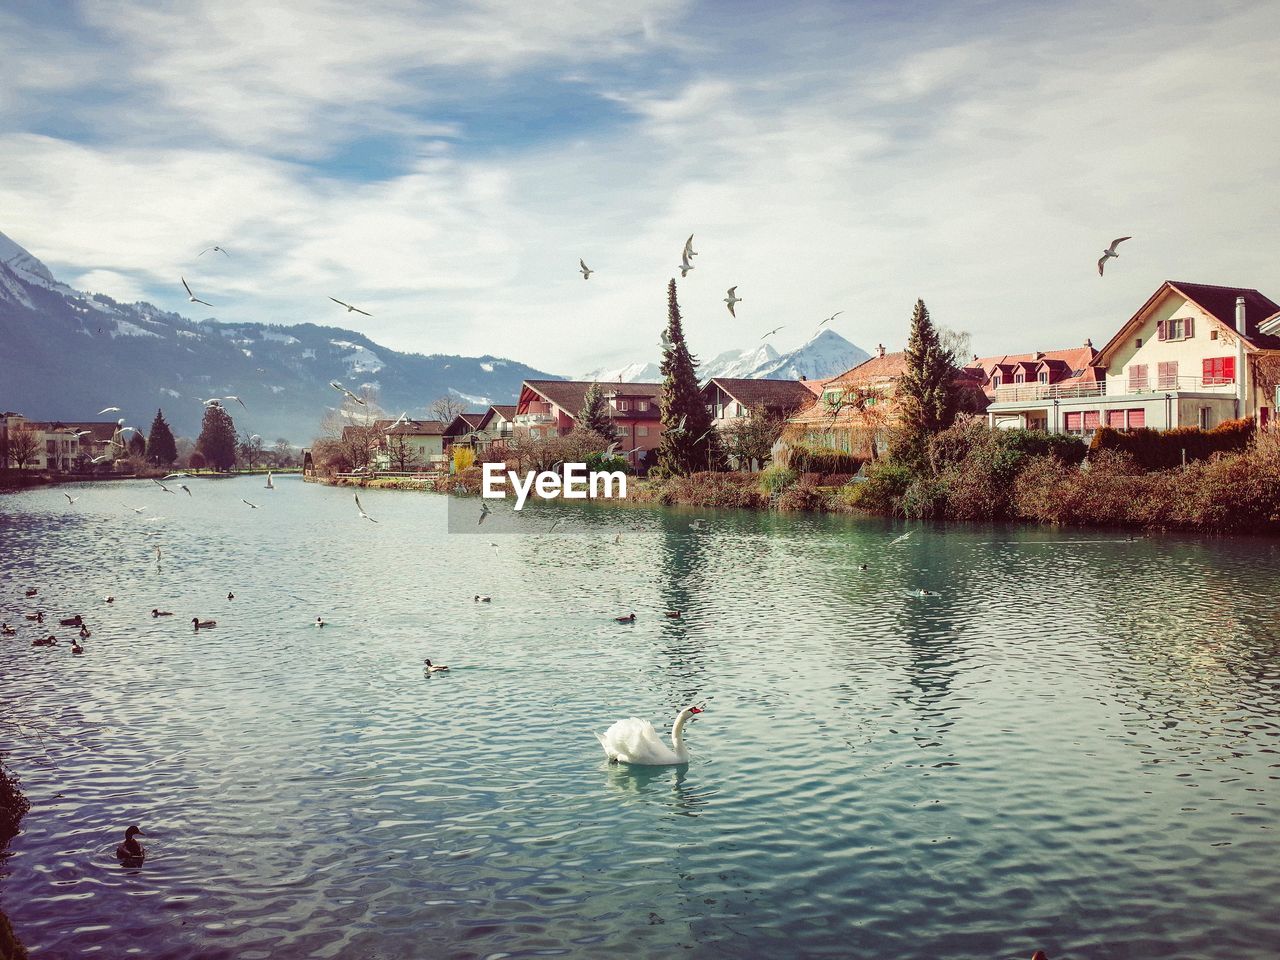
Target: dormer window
995,380
1044,376
1019,377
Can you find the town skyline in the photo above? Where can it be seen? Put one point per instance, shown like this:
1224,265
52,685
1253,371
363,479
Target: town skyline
447,175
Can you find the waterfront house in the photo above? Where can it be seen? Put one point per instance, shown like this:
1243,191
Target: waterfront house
853,411
63,446
1025,389
1193,355
464,429
549,408
730,399
497,425
413,444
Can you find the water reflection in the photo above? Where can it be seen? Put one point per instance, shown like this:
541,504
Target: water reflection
668,787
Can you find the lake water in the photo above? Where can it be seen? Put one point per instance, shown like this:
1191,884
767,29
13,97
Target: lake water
1073,745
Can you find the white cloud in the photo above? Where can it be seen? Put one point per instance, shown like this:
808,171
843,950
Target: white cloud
982,170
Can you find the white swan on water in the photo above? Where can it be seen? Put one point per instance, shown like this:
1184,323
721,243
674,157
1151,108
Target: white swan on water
635,741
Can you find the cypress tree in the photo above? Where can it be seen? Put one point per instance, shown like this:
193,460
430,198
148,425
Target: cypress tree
689,442
926,391
162,449
217,442
594,414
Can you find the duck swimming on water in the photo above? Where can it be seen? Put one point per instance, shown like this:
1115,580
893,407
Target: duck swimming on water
157,612
75,621
7,630
131,853
84,632
629,618
203,624
434,667
75,647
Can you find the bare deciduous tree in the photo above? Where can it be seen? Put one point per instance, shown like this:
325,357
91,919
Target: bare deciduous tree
446,408
24,446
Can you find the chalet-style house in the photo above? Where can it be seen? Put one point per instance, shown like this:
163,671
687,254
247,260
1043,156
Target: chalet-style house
853,410
498,424
730,399
463,429
1193,355
63,446
549,408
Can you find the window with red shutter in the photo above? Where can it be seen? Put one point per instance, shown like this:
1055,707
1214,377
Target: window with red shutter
1137,377
1229,369
1115,419
1137,418
1091,420
1219,370
1073,421
1162,331
1167,373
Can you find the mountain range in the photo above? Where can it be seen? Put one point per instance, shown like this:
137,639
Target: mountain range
823,355
66,354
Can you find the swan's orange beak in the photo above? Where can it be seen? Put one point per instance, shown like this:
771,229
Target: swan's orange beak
693,710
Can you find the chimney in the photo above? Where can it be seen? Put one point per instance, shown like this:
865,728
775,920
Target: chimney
1088,342
803,378
1039,355
1240,315
879,349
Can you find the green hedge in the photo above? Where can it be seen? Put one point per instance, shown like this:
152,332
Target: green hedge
1162,450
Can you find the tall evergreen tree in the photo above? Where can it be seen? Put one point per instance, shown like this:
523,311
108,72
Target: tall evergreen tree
162,449
689,442
217,441
926,391
594,414
137,445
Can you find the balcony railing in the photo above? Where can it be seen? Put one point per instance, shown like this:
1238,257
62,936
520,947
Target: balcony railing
1022,392
534,418
1174,384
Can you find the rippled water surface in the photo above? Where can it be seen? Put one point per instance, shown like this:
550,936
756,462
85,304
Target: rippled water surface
1072,745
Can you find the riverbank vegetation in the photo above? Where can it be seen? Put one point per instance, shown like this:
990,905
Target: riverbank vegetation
13,807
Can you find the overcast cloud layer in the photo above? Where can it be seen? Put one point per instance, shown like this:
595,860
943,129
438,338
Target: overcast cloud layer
444,165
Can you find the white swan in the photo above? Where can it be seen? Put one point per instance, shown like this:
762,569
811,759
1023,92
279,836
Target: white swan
635,741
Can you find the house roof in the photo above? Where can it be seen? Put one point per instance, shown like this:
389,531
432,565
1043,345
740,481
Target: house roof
771,394
569,395
465,423
1218,302
873,370
101,431
507,411
411,428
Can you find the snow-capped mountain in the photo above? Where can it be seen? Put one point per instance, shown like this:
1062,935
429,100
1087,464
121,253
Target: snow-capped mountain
825,355
67,354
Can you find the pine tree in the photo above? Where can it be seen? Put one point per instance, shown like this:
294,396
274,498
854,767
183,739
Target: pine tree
594,414
162,449
689,441
137,445
217,442
926,391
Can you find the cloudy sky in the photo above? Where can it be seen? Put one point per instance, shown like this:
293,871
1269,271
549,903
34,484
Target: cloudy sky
444,165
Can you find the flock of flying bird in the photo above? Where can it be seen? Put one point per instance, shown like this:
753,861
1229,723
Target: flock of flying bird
732,299
192,298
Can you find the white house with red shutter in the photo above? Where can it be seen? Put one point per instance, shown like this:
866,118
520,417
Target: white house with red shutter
1193,355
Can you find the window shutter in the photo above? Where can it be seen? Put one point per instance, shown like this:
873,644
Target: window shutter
1162,331
1190,328
1229,369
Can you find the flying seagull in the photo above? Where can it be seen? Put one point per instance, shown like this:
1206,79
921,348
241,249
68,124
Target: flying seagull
254,505
901,538
82,433
70,498
161,486
183,486
134,509
339,387
733,298
484,512
1110,252
830,318
236,399
685,265
350,308
689,252
218,249
586,271
191,296
108,410
773,331
363,515
679,427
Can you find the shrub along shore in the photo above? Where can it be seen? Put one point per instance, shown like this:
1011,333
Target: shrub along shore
1230,482
13,806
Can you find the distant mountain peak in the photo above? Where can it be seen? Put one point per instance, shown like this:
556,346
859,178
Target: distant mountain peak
824,355
24,263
